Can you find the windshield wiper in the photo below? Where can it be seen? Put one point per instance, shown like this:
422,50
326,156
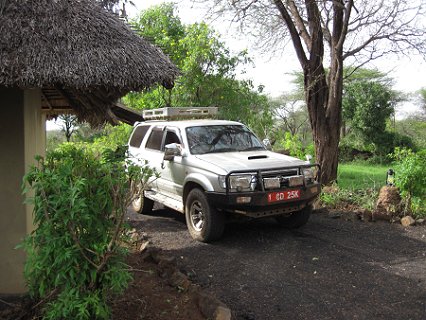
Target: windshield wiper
221,150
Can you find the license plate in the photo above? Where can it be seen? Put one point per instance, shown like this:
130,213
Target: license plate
283,195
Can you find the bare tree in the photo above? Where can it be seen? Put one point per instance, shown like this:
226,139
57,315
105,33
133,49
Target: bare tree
290,110
68,125
326,34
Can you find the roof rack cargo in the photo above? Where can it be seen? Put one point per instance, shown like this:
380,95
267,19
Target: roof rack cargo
180,113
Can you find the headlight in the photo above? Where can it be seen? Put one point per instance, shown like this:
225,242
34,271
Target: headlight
243,182
308,173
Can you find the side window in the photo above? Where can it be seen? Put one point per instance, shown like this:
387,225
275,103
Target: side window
155,139
138,135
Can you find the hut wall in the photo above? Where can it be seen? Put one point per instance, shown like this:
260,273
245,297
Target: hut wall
22,135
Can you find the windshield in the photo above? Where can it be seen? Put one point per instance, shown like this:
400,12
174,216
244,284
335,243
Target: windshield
221,138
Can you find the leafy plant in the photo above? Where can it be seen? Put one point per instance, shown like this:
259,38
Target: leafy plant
75,258
336,197
294,146
410,178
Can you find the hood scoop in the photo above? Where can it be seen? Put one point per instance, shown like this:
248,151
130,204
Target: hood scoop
263,156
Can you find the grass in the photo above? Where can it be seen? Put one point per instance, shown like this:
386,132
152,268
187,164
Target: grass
361,176
358,185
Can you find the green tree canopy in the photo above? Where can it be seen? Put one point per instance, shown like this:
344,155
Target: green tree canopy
367,105
208,70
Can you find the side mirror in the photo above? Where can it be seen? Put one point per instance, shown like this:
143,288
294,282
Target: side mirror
267,144
171,150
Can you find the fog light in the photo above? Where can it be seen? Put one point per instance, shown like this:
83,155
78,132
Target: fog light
243,199
295,181
271,183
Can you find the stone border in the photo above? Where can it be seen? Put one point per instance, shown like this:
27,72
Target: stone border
209,306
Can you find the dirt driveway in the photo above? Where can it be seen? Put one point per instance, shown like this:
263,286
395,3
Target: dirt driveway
329,269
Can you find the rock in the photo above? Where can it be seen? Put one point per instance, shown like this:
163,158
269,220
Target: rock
408,221
150,254
180,281
420,222
143,246
222,313
167,265
389,200
208,305
136,236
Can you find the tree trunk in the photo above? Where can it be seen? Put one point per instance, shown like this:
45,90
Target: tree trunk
324,106
323,95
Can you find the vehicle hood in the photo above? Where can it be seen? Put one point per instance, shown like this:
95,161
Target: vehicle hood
249,160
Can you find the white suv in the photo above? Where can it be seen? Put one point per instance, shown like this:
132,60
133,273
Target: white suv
212,169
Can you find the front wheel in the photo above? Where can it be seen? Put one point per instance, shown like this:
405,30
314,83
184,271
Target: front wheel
140,203
296,219
204,222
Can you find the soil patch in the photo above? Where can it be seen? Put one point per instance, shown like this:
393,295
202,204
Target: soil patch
148,297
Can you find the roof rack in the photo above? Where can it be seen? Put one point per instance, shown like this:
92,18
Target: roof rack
180,113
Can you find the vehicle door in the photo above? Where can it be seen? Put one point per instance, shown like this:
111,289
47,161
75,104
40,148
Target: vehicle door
173,171
151,151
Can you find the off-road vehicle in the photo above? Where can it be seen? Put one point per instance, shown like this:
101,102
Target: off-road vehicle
214,169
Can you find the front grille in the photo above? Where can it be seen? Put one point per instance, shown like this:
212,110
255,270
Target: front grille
283,175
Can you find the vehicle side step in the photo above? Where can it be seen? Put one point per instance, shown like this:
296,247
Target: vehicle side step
165,200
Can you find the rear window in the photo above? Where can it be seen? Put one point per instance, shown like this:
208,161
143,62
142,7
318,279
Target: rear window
155,139
138,135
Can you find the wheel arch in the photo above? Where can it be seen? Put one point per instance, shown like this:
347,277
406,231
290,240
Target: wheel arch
188,187
196,181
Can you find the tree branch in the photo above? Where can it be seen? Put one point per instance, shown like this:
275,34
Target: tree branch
344,32
300,25
300,52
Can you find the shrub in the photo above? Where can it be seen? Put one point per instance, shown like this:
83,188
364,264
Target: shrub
352,148
410,178
75,260
294,146
113,137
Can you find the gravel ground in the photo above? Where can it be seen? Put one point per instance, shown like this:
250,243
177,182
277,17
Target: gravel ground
329,269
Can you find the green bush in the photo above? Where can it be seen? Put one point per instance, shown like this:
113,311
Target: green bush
113,137
294,146
352,148
410,178
75,257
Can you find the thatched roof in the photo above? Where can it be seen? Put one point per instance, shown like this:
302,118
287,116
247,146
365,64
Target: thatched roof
78,53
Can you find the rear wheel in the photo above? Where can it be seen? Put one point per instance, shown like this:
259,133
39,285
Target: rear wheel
296,219
140,203
204,222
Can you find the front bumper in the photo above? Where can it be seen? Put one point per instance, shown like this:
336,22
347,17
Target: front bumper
259,205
